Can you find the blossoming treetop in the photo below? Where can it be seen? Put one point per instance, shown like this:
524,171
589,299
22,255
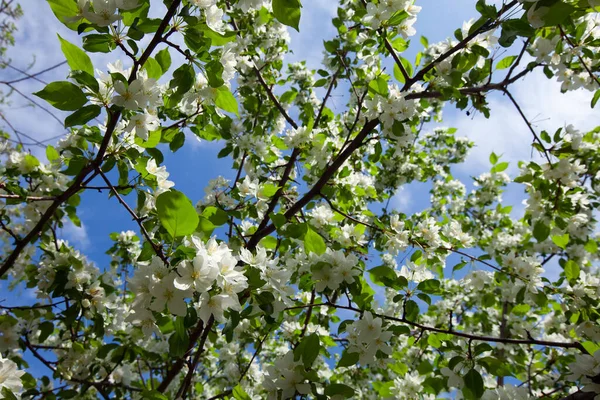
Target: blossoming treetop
265,287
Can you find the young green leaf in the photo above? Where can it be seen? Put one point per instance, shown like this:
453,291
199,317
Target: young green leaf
595,98
572,270
51,153
561,240
63,95
153,68
339,389
348,359
288,12
164,59
76,58
226,101
240,394
474,384
176,213
311,348
83,115
506,62
541,231
313,242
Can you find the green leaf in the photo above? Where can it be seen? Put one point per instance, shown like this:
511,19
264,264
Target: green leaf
288,12
595,98
51,153
76,58
183,79
205,226
46,328
412,310
474,383
179,325
217,39
177,141
31,162
434,341
591,347
176,213
488,11
492,365
164,59
459,266
339,389
379,86
214,73
7,394
226,101
313,242
572,270
431,286
591,246
381,273
179,341
152,142
98,43
506,62
153,395
521,309
82,116
399,44
63,95
348,359
268,190
561,240
493,158
557,13
67,394
153,68
407,67
28,380
268,242
541,231
310,349
398,17
107,348
500,167
85,79
215,215
240,394
65,10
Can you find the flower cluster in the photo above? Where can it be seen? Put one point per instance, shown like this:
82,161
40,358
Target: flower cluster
367,337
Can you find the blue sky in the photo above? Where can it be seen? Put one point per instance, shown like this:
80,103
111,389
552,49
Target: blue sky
196,163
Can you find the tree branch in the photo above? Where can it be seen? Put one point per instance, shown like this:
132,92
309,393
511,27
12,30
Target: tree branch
480,338
488,26
138,220
93,165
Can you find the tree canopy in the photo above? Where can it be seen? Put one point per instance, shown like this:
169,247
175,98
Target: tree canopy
297,278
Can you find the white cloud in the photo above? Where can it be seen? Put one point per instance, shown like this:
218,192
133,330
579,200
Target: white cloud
505,133
37,48
401,200
552,269
411,198
77,236
315,27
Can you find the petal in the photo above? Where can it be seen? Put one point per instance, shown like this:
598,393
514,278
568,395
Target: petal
303,388
142,133
120,87
182,283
